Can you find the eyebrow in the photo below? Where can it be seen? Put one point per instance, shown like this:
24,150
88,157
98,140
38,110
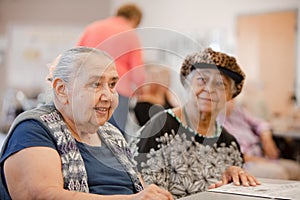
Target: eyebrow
115,78
208,72
102,77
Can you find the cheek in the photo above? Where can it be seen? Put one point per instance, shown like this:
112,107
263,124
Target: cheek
222,101
115,100
195,91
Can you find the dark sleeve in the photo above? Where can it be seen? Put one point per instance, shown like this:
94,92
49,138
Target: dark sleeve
149,135
228,139
152,130
29,133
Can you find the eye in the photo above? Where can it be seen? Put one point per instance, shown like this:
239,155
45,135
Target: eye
220,83
201,79
112,84
96,84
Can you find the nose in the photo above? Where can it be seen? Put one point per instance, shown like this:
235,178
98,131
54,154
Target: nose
209,85
106,94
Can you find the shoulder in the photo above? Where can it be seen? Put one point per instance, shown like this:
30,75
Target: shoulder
111,23
110,129
31,128
28,133
160,122
159,125
227,137
37,113
112,135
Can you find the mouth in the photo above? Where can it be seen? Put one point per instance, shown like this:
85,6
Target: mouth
208,99
102,110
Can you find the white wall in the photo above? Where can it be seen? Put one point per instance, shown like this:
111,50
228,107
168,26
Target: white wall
61,17
200,20
212,20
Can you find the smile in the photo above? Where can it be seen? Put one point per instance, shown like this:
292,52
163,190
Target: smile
101,109
207,99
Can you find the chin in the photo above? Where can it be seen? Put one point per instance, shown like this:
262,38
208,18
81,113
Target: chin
205,111
101,123
98,122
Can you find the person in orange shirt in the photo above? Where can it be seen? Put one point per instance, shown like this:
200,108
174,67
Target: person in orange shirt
116,36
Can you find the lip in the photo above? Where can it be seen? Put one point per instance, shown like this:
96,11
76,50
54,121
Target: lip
207,99
102,110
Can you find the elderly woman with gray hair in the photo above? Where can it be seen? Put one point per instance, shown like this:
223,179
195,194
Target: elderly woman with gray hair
67,149
183,149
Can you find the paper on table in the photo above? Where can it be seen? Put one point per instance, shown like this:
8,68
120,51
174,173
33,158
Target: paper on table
267,190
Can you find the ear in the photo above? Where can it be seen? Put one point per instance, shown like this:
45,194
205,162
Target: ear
60,90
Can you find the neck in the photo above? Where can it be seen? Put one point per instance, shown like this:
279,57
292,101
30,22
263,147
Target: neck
89,137
203,122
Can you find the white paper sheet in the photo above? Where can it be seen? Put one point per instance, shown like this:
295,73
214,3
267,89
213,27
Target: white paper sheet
267,190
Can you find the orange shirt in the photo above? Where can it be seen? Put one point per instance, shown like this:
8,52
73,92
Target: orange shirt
121,42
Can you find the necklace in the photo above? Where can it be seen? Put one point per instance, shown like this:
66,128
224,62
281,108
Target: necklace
190,126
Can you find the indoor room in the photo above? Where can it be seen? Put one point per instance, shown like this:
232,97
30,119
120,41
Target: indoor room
260,38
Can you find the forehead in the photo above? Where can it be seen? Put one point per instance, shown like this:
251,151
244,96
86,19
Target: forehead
214,73
99,65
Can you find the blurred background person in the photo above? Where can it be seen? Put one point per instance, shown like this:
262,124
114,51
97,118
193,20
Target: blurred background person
155,94
117,37
261,155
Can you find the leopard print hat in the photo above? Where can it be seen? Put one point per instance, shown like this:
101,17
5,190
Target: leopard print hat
212,59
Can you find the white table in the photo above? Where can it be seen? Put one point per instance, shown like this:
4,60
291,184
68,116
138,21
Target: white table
222,196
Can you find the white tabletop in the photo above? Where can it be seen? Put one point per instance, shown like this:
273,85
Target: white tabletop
222,196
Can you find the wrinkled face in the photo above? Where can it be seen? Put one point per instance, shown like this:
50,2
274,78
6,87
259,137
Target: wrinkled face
93,96
208,90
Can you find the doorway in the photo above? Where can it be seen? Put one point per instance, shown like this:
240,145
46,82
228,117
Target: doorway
267,52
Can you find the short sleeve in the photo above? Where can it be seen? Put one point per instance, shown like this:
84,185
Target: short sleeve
29,133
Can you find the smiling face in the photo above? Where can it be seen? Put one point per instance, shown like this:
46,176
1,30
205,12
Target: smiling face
208,90
92,95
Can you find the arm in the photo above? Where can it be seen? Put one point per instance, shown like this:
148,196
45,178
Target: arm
250,158
35,173
268,145
257,125
263,130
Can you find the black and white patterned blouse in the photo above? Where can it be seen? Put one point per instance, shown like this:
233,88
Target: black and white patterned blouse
173,156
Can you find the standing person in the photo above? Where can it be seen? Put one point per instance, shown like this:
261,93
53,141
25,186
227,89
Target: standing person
117,37
262,157
183,148
67,149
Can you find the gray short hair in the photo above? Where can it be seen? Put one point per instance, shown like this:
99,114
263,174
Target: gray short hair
233,88
70,61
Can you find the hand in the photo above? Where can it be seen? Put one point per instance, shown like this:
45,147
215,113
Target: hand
238,176
153,192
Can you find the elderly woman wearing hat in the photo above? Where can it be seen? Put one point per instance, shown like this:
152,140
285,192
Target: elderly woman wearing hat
183,149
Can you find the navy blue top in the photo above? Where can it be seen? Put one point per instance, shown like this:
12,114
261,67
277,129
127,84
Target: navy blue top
105,173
